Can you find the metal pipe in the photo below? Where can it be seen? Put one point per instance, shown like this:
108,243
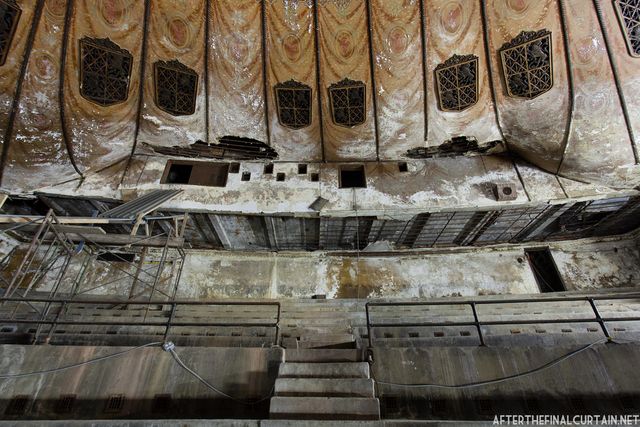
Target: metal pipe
477,322
600,320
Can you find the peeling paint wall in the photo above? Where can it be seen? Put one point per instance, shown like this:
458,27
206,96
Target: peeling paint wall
210,274
598,266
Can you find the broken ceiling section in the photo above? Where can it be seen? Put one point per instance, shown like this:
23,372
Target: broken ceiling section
229,147
457,146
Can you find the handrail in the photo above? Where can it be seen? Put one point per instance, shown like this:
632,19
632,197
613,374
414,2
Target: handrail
478,323
65,303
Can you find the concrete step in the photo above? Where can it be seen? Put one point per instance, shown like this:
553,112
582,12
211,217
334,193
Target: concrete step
322,356
324,408
334,387
328,337
324,370
321,345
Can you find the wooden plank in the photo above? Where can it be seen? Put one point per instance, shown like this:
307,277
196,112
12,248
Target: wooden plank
534,129
397,47
176,32
103,135
456,28
236,87
11,219
31,228
291,55
344,53
121,240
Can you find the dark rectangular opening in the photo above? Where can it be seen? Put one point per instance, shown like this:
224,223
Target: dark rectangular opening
196,173
116,257
302,169
352,176
315,177
161,404
17,405
545,270
403,167
246,176
178,173
280,176
268,169
234,168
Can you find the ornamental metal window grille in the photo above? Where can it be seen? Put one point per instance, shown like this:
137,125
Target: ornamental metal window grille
348,103
629,16
293,100
176,88
105,71
9,16
457,82
527,64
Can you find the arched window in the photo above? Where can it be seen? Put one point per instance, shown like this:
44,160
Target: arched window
176,88
293,100
527,64
105,71
629,16
457,82
348,102
9,16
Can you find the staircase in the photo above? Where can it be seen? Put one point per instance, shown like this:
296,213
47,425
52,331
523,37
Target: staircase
324,384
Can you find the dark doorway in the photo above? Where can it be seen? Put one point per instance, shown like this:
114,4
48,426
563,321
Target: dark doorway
544,270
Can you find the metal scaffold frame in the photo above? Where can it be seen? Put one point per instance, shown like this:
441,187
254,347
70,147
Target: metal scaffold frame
63,259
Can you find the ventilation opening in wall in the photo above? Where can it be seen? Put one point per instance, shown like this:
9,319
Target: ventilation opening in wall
64,405
352,176
268,169
302,169
196,173
403,167
115,403
545,270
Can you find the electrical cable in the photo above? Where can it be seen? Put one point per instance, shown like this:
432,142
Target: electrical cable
76,365
166,346
170,348
497,380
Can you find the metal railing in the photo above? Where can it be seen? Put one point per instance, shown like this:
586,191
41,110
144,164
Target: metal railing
55,312
478,323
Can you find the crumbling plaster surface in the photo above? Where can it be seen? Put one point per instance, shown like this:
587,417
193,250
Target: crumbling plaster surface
597,266
428,185
431,274
584,265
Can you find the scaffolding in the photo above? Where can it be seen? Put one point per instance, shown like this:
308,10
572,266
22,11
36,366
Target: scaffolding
70,257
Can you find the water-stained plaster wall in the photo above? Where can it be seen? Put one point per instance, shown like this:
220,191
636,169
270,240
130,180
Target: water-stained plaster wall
596,266
469,272
438,183
583,265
